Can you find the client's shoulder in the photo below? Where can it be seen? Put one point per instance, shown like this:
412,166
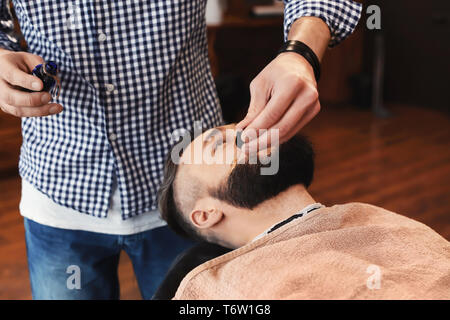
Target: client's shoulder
364,214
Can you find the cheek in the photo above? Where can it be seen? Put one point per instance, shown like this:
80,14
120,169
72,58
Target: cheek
229,154
211,175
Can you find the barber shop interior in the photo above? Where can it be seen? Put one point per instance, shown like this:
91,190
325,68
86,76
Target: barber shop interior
224,150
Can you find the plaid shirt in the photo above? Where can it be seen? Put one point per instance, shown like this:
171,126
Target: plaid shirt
131,73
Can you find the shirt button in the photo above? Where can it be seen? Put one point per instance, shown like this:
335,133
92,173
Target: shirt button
113,137
102,37
110,87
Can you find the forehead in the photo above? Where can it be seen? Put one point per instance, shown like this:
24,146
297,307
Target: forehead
196,146
218,130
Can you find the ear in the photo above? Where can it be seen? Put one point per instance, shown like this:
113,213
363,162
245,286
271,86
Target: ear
205,219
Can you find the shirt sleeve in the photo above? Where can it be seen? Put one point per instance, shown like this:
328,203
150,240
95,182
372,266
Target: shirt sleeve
341,16
7,40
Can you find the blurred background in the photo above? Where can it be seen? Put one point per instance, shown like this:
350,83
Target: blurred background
382,136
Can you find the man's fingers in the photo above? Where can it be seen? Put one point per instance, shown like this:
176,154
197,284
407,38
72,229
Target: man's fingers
295,118
31,61
259,96
264,141
17,72
19,78
274,110
15,97
49,109
307,117
15,76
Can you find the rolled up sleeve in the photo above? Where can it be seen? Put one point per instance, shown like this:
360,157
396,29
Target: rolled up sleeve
7,43
341,16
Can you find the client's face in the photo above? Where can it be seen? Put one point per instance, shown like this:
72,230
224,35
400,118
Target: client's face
215,184
223,170
211,157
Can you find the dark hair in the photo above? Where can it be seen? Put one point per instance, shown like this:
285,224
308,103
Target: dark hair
166,200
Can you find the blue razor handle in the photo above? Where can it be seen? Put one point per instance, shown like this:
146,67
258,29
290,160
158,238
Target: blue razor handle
48,73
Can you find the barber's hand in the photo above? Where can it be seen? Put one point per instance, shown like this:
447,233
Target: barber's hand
15,69
283,96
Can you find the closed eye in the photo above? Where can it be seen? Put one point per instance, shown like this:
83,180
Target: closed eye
218,139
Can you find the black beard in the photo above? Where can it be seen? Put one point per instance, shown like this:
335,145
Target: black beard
246,187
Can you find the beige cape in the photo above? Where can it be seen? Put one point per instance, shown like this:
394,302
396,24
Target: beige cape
351,251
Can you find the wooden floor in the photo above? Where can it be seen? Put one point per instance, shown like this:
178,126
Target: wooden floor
401,163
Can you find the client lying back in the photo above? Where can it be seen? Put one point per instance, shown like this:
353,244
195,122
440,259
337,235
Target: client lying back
285,244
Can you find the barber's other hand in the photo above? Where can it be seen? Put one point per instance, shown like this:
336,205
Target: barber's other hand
15,69
283,96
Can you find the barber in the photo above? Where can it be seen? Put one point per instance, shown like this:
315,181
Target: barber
131,73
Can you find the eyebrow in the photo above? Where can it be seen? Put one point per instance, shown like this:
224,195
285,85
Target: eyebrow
214,132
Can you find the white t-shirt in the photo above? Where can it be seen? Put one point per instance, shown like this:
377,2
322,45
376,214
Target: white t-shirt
303,212
36,206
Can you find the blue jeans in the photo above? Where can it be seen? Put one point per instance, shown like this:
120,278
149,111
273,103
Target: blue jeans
72,264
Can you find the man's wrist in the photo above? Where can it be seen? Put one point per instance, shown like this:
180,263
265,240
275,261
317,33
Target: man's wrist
306,52
313,32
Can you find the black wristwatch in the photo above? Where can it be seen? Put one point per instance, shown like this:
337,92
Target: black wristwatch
305,51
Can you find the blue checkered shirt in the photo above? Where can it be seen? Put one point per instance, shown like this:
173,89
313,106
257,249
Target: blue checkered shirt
131,72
